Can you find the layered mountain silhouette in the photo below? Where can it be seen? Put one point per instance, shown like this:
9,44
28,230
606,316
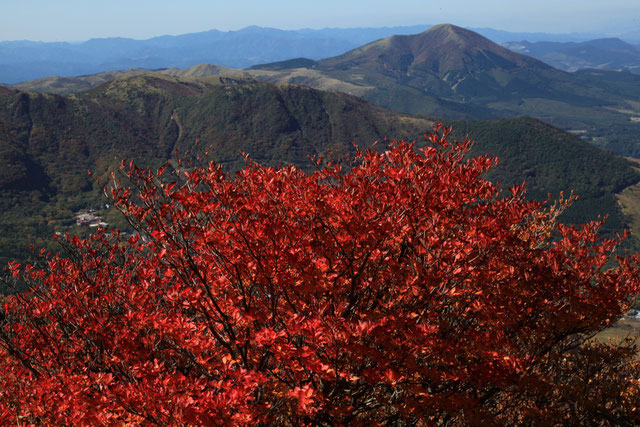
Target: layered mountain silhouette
28,60
452,63
445,51
607,54
446,61
448,70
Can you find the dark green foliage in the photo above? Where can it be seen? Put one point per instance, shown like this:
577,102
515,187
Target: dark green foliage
49,143
551,161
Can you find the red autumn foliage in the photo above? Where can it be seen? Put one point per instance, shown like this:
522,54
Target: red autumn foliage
405,290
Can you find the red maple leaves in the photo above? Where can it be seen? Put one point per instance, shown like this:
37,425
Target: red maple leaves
406,288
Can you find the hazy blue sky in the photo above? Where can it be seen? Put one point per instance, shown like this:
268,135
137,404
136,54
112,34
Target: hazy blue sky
54,20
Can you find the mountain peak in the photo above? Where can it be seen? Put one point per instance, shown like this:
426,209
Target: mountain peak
454,37
442,49
448,29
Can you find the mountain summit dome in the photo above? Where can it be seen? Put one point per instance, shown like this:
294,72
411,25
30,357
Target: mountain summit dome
440,50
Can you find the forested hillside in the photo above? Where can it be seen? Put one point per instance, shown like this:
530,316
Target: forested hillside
50,143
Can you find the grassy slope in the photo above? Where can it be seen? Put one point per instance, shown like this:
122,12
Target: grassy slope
70,85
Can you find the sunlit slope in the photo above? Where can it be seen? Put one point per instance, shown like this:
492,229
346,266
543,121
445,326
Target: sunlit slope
454,72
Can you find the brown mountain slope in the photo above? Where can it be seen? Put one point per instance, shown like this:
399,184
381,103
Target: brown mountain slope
203,70
445,61
452,63
70,85
453,72
440,50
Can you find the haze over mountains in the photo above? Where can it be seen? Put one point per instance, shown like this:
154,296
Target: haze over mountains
27,60
48,142
607,54
446,71
454,72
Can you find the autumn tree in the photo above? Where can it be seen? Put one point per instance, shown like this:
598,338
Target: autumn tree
401,288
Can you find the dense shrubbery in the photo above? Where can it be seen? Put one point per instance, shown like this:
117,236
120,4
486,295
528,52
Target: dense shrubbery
404,290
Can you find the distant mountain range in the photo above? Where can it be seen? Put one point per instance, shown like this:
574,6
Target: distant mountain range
608,54
49,142
445,71
455,72
28,60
